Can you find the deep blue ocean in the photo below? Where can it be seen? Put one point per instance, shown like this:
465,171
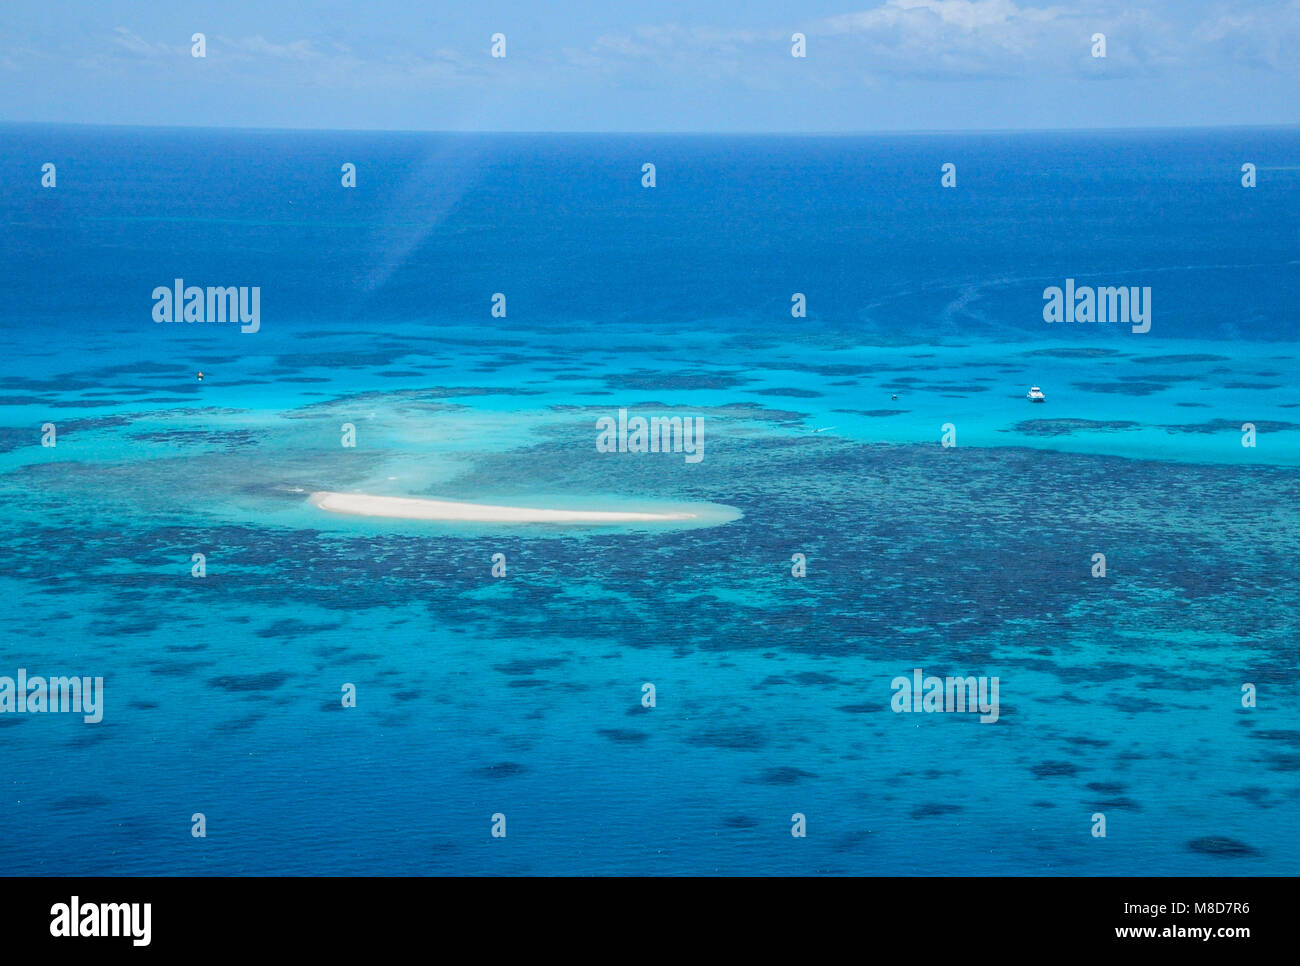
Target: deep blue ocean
522,695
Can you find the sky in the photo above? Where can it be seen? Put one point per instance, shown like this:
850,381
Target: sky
676,66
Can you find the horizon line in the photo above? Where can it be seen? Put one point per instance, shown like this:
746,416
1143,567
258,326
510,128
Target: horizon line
270,129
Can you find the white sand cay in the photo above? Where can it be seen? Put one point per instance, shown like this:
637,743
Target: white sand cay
407,508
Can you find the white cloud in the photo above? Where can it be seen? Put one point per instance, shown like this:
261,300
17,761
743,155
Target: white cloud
1252,38
133,43
260,46
926,15
963,40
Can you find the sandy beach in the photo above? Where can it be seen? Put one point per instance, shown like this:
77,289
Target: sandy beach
408,508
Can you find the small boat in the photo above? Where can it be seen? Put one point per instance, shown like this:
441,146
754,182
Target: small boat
1035,395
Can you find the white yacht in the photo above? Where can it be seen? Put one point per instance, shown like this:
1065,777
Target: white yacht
1035,395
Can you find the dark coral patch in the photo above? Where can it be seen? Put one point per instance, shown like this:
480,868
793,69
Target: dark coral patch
788,391
1054,769
1223,846
936,809
79,803
627,736
740,737
251,682
784,775
1066,427
503,769
521,666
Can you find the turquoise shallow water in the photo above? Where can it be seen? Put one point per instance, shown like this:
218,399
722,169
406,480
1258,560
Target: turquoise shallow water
522,694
